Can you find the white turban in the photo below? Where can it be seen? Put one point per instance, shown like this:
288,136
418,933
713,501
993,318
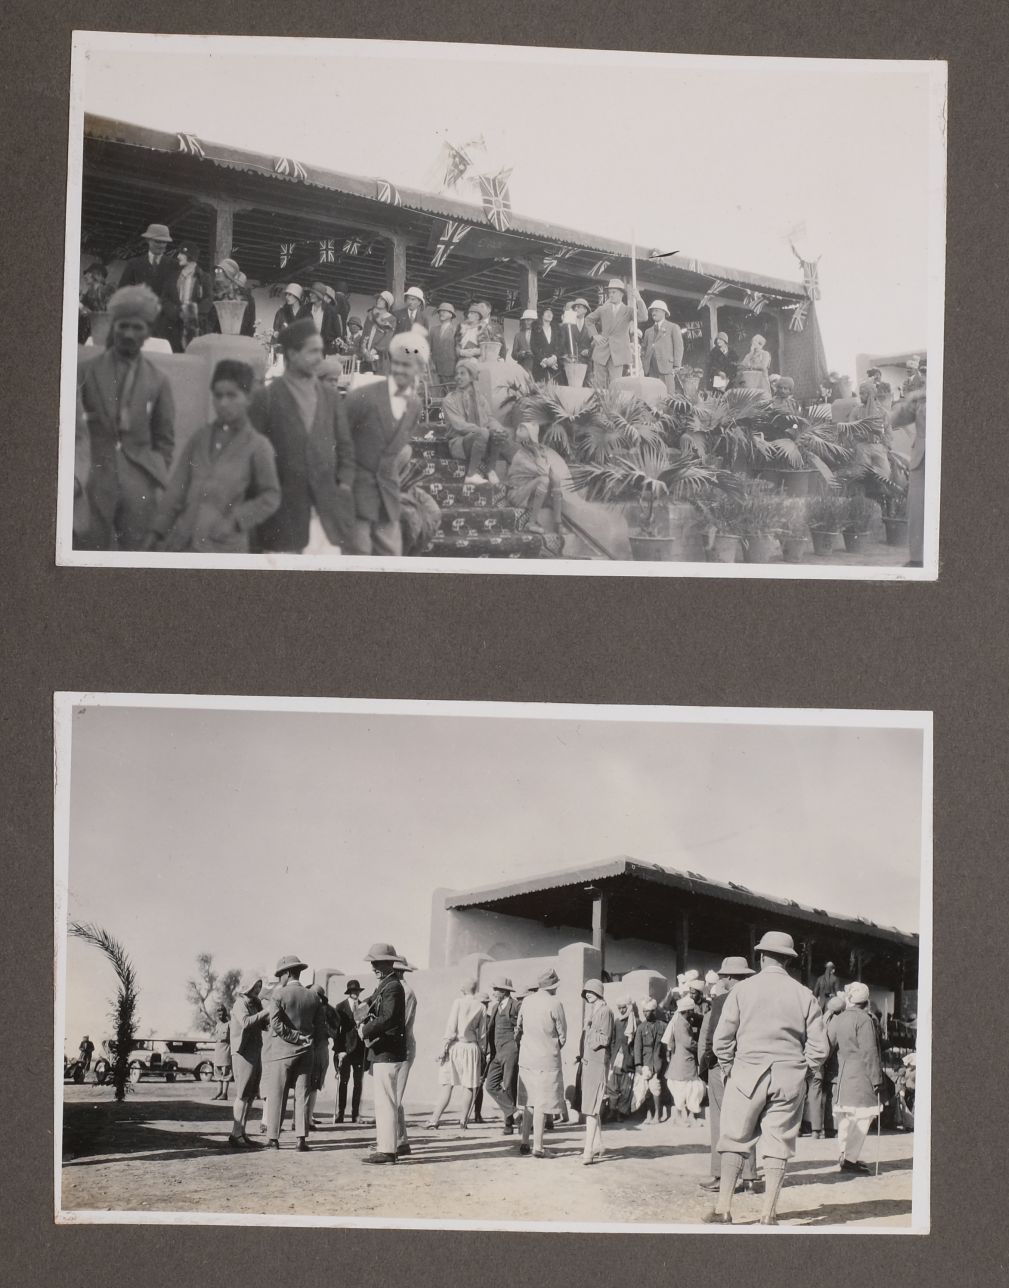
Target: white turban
412,343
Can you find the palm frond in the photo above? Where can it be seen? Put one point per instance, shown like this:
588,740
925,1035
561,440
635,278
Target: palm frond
124,1014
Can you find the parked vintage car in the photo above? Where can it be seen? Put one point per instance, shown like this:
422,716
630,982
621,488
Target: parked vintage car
149,1057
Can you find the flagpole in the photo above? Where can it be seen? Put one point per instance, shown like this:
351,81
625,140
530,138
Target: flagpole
634,305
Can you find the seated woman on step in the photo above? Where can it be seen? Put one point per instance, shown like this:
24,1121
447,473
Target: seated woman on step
474,436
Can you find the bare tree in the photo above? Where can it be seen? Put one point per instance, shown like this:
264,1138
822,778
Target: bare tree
124,1013
208,991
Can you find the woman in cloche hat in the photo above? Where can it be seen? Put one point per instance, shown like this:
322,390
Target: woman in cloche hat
593,1060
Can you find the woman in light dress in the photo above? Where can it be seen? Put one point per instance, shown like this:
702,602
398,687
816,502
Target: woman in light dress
594,1061
248,1019
465,1035
752,371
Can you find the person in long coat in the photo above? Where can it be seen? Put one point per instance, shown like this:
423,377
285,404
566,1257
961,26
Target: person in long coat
594,1053
127,403
680,1042
381,417
296,1021
400,967
662,355
320,1055
460,1058
546,348
522,345
620,1081
912,411
443,337
770,1032
224,484
858,1082
412,313
305,424
575,338
293,307
649,1056
752,370
376,336
222,1053
384,1034
248,1019
157,270
612,352
501,1079
731,971
720,365
541,1030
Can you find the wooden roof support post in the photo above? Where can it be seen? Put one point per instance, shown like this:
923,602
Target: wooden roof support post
529,283
599,910
682,934
396,267
222,229
713,322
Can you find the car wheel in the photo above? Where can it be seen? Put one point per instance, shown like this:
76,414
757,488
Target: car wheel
204,1070
102,1070
136,1071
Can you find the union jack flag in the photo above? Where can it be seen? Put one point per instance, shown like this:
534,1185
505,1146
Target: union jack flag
287,250
497,202
457,162
191,144
287,167
355,245
597,270
327,251
798,319
692,330
385,191
554,256
755,301
452,234
512,300
811,277
716,288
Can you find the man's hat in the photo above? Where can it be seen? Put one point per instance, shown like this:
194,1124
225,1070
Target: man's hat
723,335
503,983
829,966
402,964
735,966
381,953
685,1004
697,984
290,963
416,292
548,979
319,288
615,284
659,304
445,307
355,321
776,941
248,983
592,986
352,984
584,303
529,315
157,232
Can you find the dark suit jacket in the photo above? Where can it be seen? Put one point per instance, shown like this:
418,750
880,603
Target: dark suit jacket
665,342
141,272
312,467
349,1040
403,322
716,362
284,316
378,441
705,1047
544,348
384,1030
575,345
147,441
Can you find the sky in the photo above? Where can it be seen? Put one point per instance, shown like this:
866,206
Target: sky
719,159
254,834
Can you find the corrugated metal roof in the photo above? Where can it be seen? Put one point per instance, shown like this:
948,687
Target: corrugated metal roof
623,866
291,171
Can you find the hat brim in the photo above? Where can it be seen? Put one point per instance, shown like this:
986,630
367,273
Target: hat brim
290,966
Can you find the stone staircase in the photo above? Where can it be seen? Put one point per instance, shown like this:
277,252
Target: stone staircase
476,523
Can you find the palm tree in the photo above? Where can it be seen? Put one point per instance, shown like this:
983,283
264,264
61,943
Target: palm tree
124,1015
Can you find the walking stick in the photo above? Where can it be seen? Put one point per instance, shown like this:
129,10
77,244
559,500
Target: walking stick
879,1117
637,370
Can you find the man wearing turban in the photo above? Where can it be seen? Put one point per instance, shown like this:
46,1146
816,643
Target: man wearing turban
127,403
858,1081
382,416
474,436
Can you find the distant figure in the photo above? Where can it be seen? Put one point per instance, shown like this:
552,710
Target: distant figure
680,1041
156,270
443,341
594,1060
752,370
663,347
87,1050
522,345
720,367
546,348
94,298
231,284
649,1059
379,328
858,1082
465,1035
474,435
542,1031
222,1053
412,312
826,985
349,1054
293,307
912,410
501,1082
188,300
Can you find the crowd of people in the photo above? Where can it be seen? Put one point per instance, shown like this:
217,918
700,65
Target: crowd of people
766,1056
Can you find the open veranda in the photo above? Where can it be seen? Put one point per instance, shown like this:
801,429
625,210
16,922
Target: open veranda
166,1151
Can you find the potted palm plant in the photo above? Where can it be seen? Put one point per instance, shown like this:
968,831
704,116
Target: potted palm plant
860,516
794,529
727,428
807,447
826,517
759,519
721,514
893,504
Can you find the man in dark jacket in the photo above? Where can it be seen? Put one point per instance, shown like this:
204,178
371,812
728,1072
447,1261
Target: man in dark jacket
730,972
412,313
304,420
384,1034
501,1081
349,1052
826,985
720,367
157,270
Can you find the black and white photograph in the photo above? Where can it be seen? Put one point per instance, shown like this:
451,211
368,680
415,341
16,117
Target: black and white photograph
387,305
477,965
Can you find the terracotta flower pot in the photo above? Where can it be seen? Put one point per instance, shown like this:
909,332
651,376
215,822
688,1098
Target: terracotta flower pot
724,549
792,549
823,542
759,548
656,549
854,540
896,531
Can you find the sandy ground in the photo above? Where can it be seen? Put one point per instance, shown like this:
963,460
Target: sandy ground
164,1150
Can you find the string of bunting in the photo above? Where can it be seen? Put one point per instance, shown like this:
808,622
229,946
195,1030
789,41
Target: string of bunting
453,232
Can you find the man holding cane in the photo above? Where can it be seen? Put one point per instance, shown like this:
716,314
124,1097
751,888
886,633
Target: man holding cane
858,1082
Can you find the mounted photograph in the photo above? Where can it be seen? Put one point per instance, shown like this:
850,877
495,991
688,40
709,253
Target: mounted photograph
694,334
674,974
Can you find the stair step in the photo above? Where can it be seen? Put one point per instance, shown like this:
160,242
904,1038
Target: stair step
479,521
509,545
430,447
457,493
